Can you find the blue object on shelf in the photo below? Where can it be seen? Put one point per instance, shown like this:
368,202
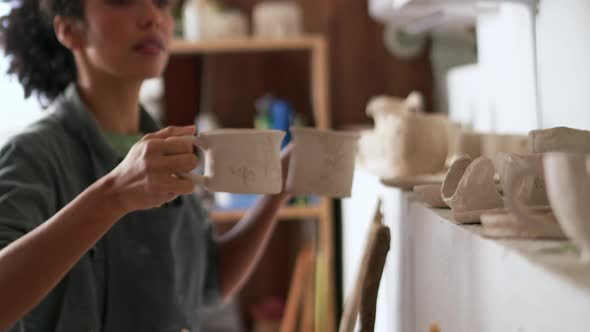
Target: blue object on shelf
238,202
281,115
313,200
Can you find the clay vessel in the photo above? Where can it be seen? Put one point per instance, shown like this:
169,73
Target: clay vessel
531,187
568,188
559,139
240,160
469,188
403,142
322,162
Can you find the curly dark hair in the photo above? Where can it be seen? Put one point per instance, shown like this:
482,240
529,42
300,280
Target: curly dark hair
43,66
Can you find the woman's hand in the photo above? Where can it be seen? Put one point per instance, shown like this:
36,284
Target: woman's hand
146,177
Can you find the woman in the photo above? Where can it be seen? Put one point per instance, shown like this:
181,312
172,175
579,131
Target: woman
96,234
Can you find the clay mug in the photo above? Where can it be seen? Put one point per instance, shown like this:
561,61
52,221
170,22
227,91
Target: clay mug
524,175
322,162
568,188
245,161
559,139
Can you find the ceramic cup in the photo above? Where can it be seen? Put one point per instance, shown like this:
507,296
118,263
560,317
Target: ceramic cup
322,162
523,174
245,161
559,139
568,188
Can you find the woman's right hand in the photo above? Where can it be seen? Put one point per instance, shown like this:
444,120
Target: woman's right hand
146,178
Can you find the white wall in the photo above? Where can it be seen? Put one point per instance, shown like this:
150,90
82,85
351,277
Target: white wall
564,62
15,111
498,94
505,57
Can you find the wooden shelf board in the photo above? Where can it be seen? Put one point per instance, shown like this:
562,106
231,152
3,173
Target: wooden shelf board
289,212
242,45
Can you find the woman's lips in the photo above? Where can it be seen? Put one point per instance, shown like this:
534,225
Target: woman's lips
149,46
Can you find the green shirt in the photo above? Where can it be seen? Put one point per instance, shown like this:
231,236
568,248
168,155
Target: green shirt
121,143
153,269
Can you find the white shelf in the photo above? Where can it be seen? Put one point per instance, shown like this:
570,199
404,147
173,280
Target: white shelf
453,276
417,16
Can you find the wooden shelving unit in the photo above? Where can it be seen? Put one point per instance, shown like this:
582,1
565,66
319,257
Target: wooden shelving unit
179,112
244,45
286,213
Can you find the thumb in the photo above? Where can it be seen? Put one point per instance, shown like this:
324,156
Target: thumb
172,131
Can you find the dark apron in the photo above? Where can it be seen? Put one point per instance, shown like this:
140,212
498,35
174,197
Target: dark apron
155,262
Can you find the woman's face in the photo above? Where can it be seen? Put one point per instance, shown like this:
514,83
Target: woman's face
128,38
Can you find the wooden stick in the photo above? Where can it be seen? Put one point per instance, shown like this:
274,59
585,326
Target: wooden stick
308,303
370,287
298,281
351,309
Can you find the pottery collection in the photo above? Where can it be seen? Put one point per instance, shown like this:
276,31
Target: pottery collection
516,186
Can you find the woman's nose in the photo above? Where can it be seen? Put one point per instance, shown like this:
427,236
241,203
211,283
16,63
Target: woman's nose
150,16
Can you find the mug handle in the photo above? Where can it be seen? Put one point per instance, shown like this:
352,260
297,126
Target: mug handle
514,201
200,143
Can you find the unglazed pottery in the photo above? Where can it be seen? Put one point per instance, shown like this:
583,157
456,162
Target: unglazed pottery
504,224
410,181
530,188
430,195
469,189
240,160
229,24
403,143
559,139
277,19
322,162
568,188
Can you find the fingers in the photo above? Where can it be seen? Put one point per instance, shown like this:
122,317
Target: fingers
171,131
166,184
169,146
181,163
178,145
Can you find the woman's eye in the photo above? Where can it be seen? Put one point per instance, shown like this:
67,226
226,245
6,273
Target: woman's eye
119,3
163,3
